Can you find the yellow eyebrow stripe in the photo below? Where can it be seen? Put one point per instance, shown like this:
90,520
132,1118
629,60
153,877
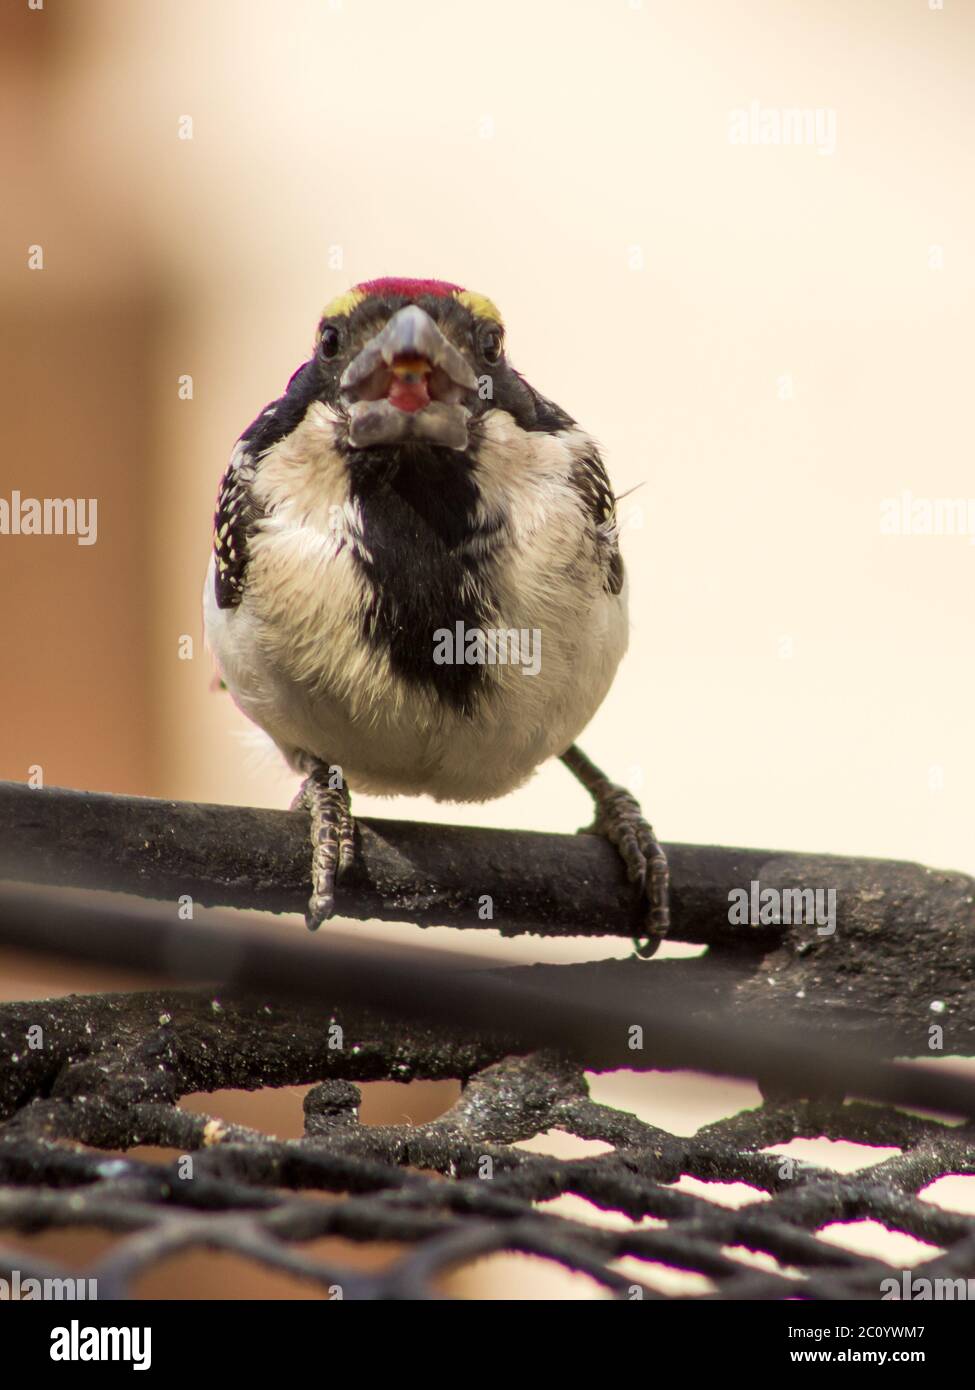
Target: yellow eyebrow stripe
479,305
343,304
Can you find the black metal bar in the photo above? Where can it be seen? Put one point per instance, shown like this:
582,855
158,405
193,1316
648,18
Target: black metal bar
515,881
584,1016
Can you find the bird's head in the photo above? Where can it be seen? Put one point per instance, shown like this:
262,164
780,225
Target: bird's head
404,359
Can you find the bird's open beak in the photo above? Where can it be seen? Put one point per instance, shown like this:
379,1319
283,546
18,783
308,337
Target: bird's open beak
408,382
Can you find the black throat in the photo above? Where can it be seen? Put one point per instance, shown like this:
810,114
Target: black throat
425,564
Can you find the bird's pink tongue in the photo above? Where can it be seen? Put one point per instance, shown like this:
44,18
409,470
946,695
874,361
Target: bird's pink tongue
409,395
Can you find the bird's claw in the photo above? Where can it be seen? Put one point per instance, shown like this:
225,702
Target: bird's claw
332,841
620,819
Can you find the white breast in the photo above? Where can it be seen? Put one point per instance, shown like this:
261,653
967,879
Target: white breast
295,662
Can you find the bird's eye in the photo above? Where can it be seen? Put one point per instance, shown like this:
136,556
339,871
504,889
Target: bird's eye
330,340
491,344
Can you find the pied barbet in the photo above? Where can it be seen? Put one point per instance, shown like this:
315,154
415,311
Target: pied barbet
416,582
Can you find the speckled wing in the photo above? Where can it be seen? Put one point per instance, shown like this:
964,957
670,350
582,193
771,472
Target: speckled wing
238,515
590,480
233,524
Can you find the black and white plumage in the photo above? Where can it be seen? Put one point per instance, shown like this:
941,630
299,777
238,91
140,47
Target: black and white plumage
407,485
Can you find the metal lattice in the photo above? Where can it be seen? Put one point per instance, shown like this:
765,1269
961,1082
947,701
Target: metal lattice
115,1065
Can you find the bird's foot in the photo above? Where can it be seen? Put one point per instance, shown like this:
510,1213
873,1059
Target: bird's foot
620,820
325,797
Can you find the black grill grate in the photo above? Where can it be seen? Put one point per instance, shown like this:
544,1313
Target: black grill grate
113,1066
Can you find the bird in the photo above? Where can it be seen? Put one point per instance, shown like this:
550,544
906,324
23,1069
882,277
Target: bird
416,584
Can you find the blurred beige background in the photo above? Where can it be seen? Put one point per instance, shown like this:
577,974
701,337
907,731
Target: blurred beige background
769,340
